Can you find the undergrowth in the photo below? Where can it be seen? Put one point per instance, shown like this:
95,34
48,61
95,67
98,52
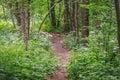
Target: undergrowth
87,66
18,64
99,60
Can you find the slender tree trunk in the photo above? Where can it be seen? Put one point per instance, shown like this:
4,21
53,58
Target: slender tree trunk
73,9
66,15
17,13
28,17
52,14
117,7
84,22
75,19
45,18
24,23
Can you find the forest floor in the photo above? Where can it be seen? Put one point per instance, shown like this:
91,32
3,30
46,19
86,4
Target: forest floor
62,54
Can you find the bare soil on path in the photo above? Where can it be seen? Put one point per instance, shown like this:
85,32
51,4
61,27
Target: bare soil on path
62,54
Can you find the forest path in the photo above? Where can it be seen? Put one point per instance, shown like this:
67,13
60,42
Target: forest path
62,54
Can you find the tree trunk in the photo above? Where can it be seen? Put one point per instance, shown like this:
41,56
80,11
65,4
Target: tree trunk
66,16
28,17
17,13
117,6
84,22
75,19
52,14
24,24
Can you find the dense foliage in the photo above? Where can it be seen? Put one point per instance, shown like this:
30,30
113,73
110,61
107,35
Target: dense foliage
18,64
87,66
100,58
93,62
93,36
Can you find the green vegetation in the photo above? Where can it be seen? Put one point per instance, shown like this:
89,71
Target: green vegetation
93,62
18,64
99,57
96,60
87,66
92,29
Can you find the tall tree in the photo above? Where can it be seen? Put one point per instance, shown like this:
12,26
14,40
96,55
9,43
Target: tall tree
52,14
28,16
17,12
66,15
24,23
84,21
75,19
117,6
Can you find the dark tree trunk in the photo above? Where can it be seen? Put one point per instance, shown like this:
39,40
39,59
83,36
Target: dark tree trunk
17,13
117,6
84,21
75,19
24,23
66,15
52,14
28,17
72,20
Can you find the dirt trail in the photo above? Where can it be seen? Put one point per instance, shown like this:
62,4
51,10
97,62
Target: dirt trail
63,54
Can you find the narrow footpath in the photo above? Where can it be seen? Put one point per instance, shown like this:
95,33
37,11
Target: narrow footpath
62,54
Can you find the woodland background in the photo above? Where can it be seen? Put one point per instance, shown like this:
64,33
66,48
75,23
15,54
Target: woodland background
91,31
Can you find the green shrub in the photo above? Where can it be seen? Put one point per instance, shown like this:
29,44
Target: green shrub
18,64
94,62
47,28
87,66
5,25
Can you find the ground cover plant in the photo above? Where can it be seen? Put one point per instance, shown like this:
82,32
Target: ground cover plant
99,59
18,64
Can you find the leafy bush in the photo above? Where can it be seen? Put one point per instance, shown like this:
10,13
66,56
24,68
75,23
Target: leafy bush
47,28
94,62
87,66
5,25
18,64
